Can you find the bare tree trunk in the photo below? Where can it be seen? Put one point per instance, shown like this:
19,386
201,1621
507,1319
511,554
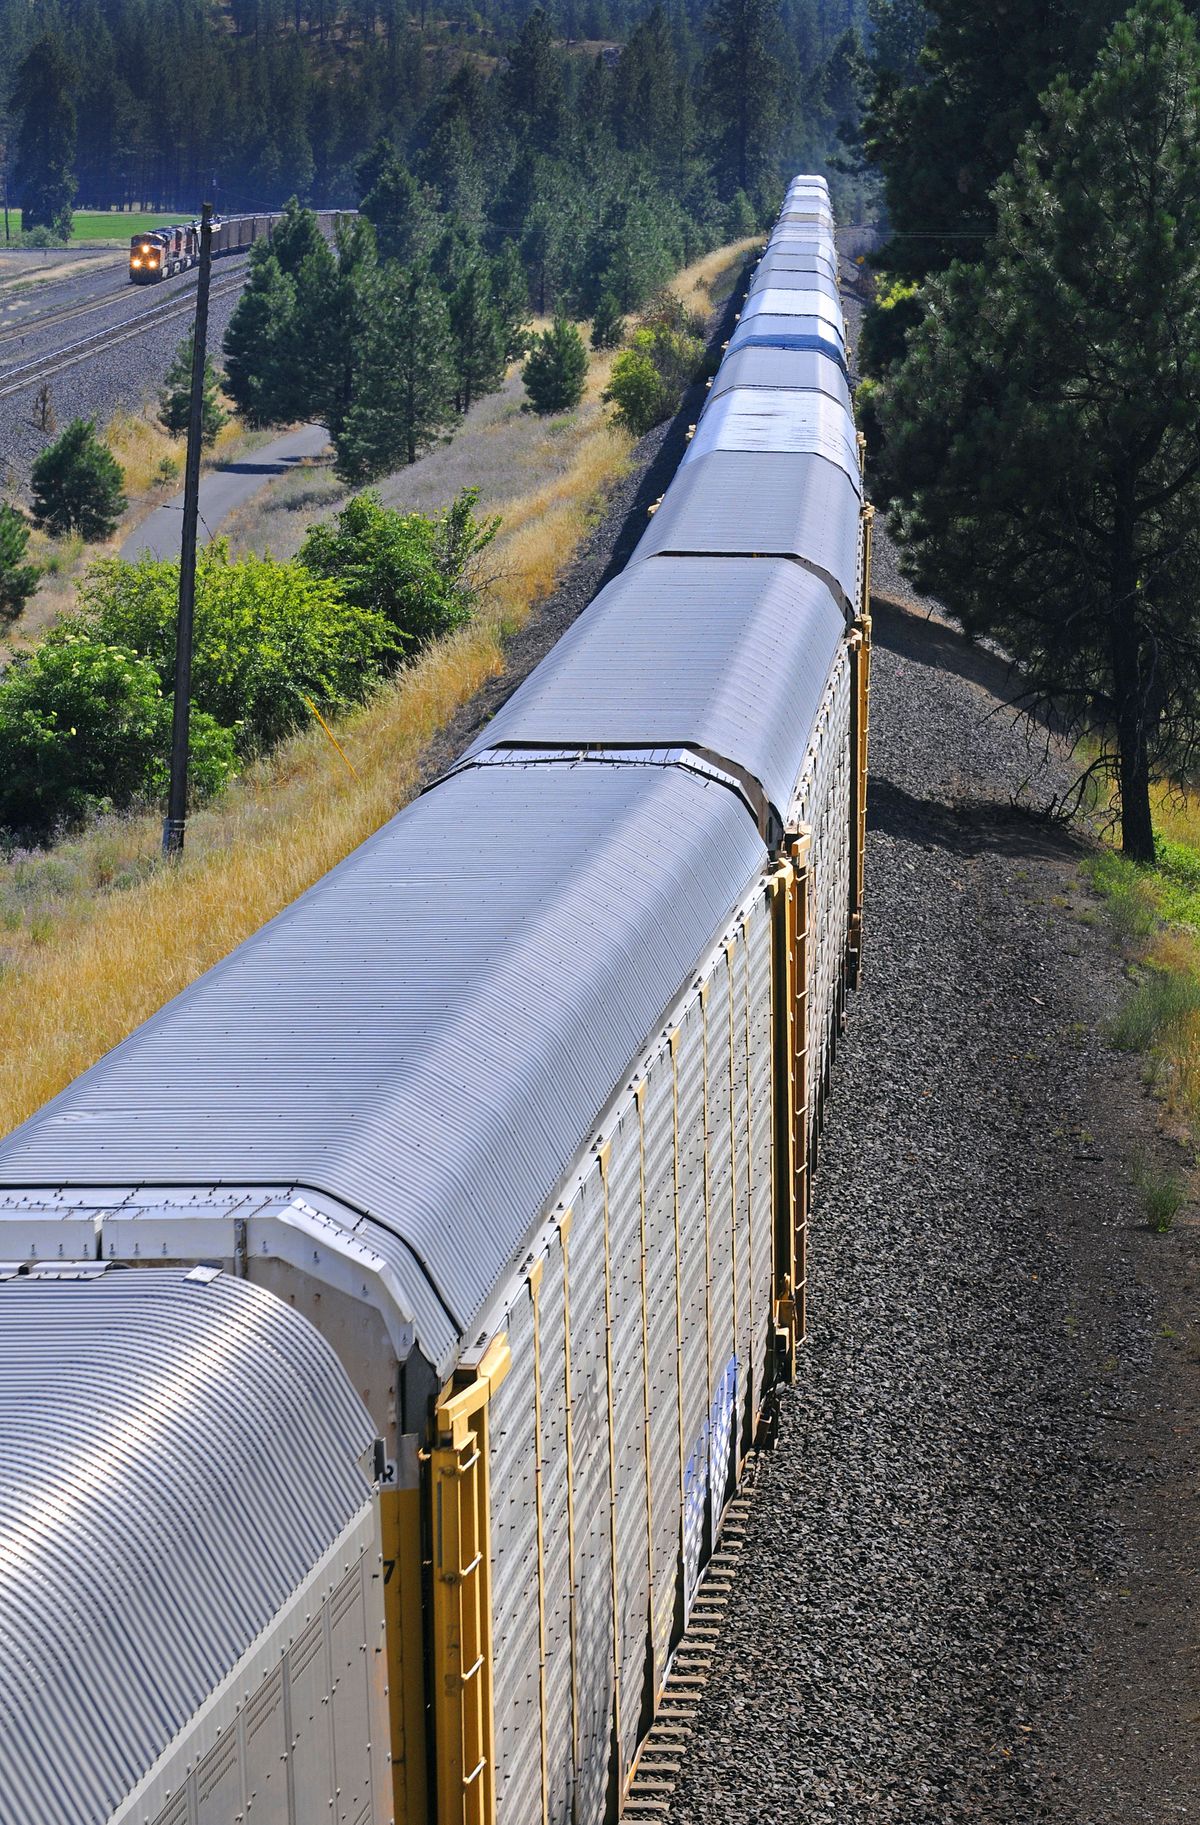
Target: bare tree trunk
1131,684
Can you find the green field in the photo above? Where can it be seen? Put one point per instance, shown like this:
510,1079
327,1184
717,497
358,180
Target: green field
114,224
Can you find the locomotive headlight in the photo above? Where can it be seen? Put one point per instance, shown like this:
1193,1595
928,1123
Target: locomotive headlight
135,261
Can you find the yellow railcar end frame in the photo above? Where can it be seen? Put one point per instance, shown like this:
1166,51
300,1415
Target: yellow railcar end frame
464,1710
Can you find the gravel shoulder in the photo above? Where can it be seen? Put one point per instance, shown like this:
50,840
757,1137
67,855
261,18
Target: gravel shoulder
969,1589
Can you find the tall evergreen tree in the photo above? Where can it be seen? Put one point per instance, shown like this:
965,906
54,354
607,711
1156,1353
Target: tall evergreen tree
175,399
261,374
942,138
479,335
510,295
44,180
333,292
77,484
742,77
18,580
296,235
404,383
1044,428
405,226
532,86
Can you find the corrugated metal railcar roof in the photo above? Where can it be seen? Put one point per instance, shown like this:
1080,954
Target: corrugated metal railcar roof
751,504
793,266
770,278
730,658
800,370
788,333
175,1457
785,247
753,418
779,301
430,1032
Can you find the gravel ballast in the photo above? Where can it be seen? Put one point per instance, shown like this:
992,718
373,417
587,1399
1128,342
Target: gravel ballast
968,1590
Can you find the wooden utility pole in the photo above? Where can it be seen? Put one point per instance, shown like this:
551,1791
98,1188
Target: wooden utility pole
176,818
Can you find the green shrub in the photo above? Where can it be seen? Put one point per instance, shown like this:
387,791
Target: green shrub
84,726
78,484
1131,893
267,635
639,392
608,325
740,217
420,574
556,368
18,580
1163,1194
649,376
1164,1001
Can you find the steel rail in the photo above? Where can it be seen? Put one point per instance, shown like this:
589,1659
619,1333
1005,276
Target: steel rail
45,367
35,326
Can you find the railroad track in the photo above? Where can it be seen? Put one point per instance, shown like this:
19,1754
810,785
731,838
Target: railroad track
17,379
661,1755
35,326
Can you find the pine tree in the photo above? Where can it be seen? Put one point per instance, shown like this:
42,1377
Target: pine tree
1044,428
556,369
77,484
294,237
742,80
404,382
532,86
943,138
478,334
510,295
175,399
332,304
18,580
260,350
405,225
42,101
608,325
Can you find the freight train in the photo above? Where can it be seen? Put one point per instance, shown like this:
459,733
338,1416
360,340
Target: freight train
385,1324
160,253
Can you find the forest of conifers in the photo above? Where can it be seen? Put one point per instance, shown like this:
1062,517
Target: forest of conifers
258,100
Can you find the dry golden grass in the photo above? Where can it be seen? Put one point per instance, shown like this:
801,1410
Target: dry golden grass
275,833
97,936
141,446
710,280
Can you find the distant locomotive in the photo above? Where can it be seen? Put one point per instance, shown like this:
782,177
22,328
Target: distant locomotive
162,252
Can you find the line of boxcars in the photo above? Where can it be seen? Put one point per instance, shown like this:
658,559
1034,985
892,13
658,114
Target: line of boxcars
387,1320
160,253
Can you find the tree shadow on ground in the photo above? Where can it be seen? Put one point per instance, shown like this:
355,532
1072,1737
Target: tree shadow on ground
968,826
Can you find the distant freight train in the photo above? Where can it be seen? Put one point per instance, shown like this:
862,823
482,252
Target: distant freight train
162,252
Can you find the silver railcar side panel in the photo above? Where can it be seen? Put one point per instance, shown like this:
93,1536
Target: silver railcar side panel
627,1311
512,1443
594,1620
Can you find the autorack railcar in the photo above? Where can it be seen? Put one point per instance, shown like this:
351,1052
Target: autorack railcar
385,1323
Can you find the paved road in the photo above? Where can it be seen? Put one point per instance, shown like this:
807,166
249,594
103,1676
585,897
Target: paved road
221,491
